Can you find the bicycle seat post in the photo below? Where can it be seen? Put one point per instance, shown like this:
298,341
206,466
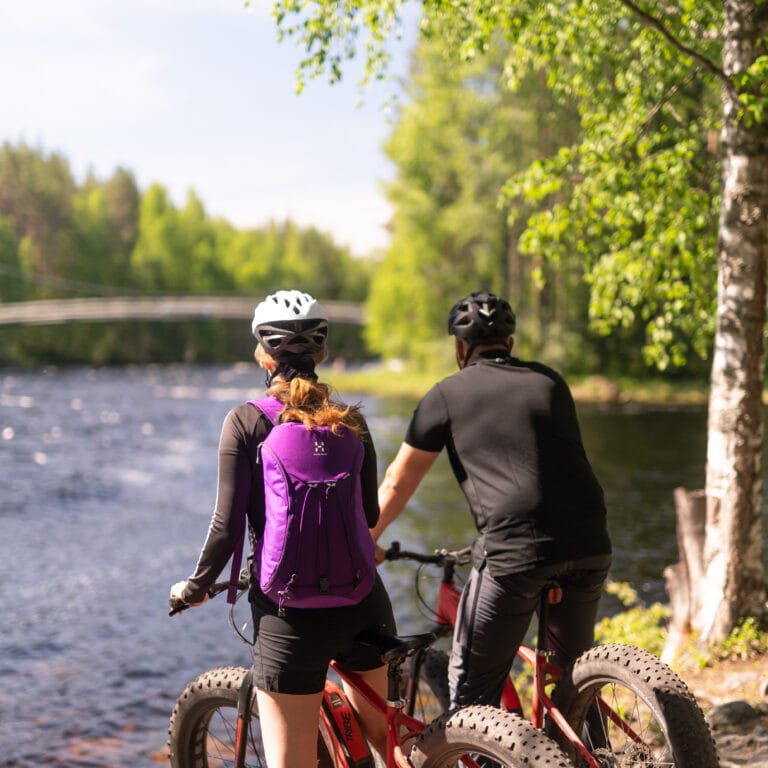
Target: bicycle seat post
541,640
550,594
394,684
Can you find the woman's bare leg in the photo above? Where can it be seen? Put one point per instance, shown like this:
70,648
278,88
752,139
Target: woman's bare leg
289,726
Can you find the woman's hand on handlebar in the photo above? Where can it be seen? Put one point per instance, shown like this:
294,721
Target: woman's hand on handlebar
176,602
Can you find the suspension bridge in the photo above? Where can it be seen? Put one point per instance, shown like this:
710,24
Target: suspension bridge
166,308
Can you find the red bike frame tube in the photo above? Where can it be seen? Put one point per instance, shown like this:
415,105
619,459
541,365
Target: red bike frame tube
395,717
396,721
341,721
447,603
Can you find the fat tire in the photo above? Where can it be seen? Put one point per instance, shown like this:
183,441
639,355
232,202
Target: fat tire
433,696
486,731
212,692
666,697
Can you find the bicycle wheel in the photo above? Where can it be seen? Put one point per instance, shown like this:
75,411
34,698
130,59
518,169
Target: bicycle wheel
667,726
204,723
432,697
490,736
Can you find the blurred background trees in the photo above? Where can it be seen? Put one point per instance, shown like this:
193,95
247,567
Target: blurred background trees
586,192
61,239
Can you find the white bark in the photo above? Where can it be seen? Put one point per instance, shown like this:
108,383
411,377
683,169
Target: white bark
734,583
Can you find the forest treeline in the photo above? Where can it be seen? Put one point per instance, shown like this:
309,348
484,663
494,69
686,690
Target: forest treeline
495,188
106,237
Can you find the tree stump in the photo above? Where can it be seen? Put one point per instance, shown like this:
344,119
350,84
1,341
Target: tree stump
684,580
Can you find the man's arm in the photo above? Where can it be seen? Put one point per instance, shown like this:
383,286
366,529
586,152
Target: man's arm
401,479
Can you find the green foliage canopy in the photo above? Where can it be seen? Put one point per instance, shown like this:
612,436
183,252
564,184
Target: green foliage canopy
457,140
636,196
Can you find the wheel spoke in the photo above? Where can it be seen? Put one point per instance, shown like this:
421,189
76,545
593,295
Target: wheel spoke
203,727
632,711
631,736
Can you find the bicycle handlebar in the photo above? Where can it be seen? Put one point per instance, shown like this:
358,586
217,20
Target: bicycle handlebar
177,606
439,557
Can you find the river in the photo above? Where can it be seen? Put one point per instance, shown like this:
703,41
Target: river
107,482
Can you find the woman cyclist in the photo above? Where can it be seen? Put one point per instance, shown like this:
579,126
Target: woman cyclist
291,651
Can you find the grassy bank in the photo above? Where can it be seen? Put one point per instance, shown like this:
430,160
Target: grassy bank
382,380
648,391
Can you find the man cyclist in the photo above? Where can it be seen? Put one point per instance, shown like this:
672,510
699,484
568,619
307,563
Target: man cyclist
514,443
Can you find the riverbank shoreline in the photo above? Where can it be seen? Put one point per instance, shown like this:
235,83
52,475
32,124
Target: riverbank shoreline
391,380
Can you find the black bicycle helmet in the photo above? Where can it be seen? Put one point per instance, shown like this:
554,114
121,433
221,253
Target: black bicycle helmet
290,323
481,317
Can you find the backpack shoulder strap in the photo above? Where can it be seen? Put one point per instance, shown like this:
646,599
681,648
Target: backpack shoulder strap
271,408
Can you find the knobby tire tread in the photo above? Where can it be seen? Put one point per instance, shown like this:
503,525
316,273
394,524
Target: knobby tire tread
192,712
488,731
659,687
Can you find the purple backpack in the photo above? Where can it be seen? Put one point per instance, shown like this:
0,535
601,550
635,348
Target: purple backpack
316,550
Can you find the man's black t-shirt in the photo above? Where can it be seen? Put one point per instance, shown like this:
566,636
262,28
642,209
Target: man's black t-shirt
514,443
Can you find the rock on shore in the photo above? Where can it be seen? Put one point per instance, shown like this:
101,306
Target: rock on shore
740,729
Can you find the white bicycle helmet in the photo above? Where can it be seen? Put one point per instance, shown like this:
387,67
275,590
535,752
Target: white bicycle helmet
290,323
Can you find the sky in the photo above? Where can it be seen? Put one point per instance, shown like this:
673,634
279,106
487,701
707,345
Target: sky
199,94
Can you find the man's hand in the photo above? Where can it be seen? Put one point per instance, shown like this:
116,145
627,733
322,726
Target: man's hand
379,554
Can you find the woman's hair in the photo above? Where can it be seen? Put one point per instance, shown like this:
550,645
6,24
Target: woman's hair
308,401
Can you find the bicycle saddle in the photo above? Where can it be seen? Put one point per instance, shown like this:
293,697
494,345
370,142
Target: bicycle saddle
394,647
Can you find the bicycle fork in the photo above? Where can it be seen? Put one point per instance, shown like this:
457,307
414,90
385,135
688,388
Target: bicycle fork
244,697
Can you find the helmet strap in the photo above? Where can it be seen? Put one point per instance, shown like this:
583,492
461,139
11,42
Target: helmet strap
296,366
463,362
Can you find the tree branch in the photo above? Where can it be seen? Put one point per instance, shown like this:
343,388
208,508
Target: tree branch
658,25
666,98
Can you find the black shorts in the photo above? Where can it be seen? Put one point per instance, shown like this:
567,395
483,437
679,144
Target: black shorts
291,653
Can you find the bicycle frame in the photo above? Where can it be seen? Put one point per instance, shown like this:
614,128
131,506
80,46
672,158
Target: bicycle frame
343,736
544,671
391,710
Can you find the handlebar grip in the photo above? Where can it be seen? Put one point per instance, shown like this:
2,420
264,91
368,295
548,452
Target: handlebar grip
177,606
396,553
440,557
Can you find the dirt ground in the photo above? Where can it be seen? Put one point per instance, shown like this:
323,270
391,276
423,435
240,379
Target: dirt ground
727,681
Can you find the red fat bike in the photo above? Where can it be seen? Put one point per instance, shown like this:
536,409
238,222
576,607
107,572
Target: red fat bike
615,706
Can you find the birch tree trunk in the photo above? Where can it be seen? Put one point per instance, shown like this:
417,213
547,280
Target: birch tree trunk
734,584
